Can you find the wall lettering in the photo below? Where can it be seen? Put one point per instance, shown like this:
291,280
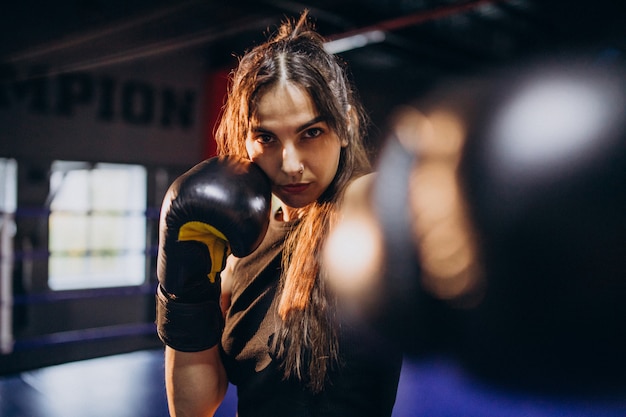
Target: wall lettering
134,102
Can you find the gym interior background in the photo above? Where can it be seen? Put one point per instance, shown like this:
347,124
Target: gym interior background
104,103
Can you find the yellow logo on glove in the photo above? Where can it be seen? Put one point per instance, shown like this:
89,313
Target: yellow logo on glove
215,241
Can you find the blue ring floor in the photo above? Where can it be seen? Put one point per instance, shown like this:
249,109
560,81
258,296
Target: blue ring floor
131,385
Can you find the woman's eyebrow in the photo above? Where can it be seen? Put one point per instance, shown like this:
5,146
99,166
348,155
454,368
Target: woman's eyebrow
261,129
310,123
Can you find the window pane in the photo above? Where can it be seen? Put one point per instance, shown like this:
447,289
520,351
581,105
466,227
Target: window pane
109,231
129,192
70,190
97,271
8,185
8,205
68,232
97,225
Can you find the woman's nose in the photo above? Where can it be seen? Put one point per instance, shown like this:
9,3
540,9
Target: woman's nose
292,163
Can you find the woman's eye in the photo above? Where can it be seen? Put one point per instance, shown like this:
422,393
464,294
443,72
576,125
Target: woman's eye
264,139
313,132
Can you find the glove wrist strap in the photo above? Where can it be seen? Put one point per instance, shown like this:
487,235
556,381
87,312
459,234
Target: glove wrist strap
188,327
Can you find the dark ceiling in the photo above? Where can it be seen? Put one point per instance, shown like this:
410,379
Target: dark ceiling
425,41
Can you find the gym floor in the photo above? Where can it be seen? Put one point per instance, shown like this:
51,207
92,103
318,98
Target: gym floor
131,385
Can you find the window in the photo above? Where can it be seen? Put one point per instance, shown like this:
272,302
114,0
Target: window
97,225
8,186
8,205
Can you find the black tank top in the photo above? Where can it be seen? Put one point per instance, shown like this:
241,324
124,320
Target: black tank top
364,384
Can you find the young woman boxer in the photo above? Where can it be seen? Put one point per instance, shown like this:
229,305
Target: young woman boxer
292,111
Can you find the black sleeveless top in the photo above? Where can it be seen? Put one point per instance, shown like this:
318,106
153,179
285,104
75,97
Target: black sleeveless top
364,384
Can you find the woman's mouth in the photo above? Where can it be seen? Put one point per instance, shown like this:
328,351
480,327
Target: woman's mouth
295,188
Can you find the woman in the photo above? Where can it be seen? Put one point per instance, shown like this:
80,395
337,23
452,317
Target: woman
290,110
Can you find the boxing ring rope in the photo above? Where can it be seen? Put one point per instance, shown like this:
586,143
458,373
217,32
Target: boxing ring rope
8,300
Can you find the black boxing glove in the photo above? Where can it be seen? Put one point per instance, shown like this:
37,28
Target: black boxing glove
218,207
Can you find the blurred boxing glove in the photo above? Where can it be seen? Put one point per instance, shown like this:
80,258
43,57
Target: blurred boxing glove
500,211
544,175
218,207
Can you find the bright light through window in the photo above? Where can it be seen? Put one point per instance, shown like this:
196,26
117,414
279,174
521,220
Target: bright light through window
8,205
8,185
97,235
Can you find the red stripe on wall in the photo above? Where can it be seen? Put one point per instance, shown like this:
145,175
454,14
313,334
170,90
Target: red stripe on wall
216,88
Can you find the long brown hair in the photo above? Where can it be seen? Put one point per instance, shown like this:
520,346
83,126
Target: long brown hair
306,340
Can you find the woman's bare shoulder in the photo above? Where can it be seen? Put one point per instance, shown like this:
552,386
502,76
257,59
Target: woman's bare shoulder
358,190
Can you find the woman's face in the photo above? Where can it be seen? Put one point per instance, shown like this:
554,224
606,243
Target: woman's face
293,145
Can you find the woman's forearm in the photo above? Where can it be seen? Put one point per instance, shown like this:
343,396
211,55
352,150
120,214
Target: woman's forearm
196,382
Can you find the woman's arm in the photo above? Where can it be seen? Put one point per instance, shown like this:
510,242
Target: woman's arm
195,382
227,284
353,248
